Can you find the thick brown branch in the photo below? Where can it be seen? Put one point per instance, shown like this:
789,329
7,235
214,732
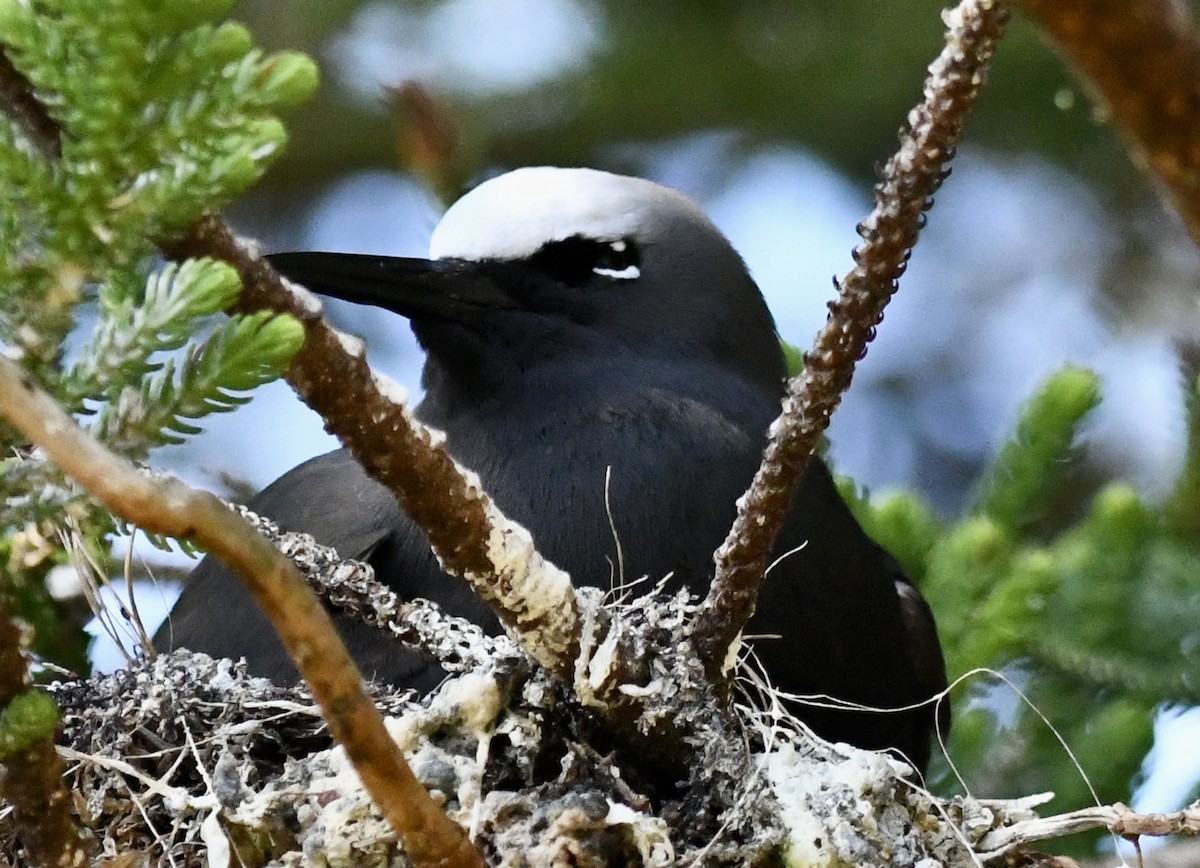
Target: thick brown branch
904,193
31,775
13,671
167,506
1141,62
469,534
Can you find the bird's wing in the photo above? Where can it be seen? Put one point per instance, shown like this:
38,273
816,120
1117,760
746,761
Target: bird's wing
333,499
924,647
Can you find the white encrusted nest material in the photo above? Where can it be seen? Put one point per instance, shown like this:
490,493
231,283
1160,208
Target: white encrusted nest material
853,807
191,758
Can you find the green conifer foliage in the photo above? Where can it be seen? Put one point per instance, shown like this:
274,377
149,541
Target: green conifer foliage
1095,621
162,113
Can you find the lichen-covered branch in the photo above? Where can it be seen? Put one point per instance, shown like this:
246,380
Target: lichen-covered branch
167,506
651,690
1141,62
889,233
457,644
31,772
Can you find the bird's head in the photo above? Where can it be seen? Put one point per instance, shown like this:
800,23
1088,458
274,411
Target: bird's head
551,265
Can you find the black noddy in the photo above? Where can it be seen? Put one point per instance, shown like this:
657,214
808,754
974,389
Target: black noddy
580,326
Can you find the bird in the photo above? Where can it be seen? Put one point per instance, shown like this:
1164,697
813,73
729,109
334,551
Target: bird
599,354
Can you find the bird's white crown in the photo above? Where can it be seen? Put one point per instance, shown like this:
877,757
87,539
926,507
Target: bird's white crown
513,215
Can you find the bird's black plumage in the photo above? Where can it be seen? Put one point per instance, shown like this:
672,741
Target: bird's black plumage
619,337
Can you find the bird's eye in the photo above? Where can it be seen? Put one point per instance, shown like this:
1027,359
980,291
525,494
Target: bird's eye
576,259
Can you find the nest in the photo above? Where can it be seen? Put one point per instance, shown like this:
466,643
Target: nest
184,760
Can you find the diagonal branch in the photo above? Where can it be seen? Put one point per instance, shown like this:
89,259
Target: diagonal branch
470,535
889,233
457,644
1118,819
167,506
1141,62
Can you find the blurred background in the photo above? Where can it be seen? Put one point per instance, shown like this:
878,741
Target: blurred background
1046,244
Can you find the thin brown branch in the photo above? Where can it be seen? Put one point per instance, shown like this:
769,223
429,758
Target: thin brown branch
1118,819
31,774
14,676
904,193
167,506
467,531
1141,62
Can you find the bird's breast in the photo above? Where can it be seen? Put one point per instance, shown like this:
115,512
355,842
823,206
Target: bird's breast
636,481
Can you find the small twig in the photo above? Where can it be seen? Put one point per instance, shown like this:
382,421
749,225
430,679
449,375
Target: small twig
428,136
130,601
167,506
889,233
31,774
1141,62
1118,819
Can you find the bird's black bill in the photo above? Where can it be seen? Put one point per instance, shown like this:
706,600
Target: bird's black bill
446,288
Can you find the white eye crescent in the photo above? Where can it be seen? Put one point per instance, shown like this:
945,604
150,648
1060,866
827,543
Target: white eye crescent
629,272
